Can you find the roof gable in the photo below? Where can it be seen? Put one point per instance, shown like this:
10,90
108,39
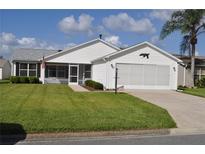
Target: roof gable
138,46
83,45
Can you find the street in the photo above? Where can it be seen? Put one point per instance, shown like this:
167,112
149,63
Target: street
197,139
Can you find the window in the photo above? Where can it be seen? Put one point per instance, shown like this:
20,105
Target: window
87,71
23,69
32,70
61,71
51,71
57,71
26,69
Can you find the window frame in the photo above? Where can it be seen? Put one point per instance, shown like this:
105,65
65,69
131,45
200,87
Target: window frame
27,69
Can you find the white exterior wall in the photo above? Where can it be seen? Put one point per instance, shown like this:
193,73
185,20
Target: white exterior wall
5,71
99,73
184,76
84,55
155,57
1,77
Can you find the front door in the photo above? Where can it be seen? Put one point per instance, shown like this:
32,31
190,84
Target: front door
73,74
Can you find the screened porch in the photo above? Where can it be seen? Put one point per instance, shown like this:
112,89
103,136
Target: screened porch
67,73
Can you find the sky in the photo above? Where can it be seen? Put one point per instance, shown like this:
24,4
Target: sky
59,29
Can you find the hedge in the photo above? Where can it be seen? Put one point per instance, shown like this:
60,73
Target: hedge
94,84
15,79
180,87
34,80
24,79
201,83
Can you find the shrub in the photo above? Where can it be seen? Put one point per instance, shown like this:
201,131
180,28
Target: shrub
201,83
94,84
24,79
180,87
33,79
15,79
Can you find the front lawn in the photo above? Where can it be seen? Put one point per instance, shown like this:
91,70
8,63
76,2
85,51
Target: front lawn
56,108
197,92
4,81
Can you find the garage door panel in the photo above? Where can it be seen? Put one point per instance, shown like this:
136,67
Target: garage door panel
163,75
136,77
123,70
144,75
149,75
130,74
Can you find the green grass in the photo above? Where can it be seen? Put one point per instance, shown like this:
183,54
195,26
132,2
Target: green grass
197,92
56,108
4,81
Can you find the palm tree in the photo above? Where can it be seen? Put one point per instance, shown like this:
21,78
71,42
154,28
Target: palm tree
190,23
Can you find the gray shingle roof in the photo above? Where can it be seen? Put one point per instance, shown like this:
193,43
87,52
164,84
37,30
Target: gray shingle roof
2,62
23,54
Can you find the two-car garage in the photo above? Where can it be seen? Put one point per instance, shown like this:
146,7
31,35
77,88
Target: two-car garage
144,76
143,66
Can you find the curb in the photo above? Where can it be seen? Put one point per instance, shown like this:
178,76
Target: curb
38,136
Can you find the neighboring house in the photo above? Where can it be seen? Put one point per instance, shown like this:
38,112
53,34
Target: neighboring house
199,68
142,66
5,69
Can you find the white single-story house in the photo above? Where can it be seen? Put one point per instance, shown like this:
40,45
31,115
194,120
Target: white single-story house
142,66
5,69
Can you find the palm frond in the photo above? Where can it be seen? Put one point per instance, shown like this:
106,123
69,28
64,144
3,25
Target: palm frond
175,23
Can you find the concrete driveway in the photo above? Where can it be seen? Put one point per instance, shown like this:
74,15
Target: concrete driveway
188,111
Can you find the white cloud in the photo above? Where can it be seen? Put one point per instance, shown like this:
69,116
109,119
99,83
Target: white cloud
113,40
9,42
162,15
124,22
82,24
28,42
8,39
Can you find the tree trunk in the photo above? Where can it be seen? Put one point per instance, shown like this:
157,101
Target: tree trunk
193,63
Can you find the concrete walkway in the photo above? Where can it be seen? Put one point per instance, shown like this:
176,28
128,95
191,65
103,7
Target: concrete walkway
188,111
78,88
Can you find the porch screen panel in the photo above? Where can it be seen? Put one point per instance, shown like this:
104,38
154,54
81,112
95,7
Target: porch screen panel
88,71
51,71
80,78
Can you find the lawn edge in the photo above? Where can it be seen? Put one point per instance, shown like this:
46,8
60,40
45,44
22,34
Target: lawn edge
91,134
192,94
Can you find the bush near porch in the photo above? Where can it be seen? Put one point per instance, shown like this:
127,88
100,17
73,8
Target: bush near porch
201,83
94,84
56,108
24,79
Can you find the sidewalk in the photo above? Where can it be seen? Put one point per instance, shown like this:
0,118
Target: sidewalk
78,88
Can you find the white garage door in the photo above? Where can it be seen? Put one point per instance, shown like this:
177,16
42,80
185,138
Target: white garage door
145,76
